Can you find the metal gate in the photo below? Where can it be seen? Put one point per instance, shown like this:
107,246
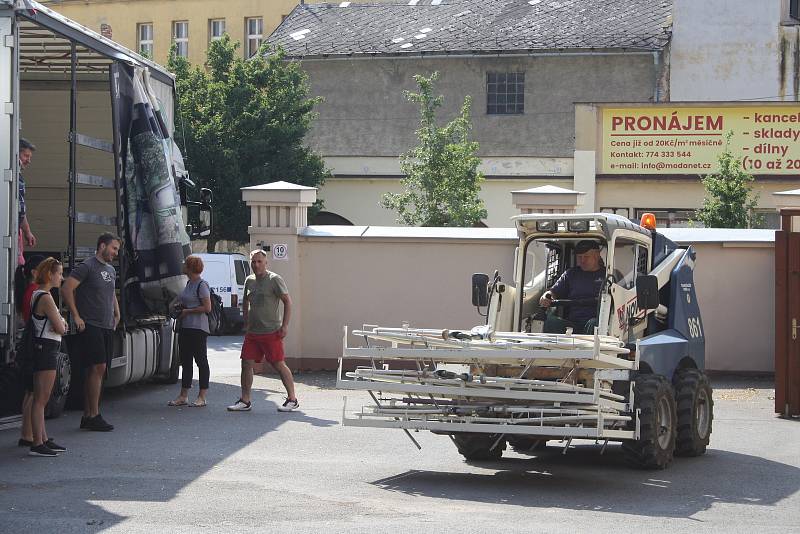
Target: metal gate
787,314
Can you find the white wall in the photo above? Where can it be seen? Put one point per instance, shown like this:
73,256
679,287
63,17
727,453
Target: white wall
390,275
726,50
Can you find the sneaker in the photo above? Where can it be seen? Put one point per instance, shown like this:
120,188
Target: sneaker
289,406
24,443
42,450
53,446
84,421
240,406
98,424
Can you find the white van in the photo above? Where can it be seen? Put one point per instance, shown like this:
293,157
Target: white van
225,273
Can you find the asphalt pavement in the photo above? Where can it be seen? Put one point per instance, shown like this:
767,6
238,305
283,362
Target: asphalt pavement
207,470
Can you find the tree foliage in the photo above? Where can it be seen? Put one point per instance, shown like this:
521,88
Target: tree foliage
442,181
730,201
243,123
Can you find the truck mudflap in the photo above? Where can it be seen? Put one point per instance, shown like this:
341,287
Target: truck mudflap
442,381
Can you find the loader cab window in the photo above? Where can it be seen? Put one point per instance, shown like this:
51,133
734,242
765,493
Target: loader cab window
543,264
630,261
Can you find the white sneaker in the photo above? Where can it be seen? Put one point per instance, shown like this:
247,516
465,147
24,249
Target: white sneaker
289,406
240,406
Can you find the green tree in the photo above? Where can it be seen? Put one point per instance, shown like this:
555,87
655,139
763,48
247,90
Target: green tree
243,123
442,180
730,201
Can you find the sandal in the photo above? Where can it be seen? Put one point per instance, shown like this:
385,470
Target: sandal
199,403
177,402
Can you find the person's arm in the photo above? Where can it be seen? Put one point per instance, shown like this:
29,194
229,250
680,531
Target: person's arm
558,290
57,323
287,314
117,315
30,239
68,292
245,306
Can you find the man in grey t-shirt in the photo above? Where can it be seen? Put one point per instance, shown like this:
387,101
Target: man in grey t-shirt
90,295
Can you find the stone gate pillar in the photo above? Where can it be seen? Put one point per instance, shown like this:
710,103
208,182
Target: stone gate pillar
278,212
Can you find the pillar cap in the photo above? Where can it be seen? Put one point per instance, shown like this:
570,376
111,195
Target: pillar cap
547,196
283,193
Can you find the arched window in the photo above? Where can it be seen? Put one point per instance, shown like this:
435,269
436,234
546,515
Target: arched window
329,218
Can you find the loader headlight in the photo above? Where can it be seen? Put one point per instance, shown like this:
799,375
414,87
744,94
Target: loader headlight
578,226
547,226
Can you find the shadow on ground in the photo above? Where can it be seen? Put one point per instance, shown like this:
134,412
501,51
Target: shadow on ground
584,480
150,456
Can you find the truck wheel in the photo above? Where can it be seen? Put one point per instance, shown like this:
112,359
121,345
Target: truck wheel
479,446
58,400
695,412
654,399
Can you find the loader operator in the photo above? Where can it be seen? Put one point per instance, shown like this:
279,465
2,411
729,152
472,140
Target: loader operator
582,282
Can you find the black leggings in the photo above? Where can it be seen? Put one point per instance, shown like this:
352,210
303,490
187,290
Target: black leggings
192,345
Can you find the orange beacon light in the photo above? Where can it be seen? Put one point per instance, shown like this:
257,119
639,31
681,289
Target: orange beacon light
648,221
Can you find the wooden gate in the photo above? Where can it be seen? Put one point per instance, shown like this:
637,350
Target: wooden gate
787,314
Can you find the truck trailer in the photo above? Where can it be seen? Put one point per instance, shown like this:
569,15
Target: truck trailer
101,117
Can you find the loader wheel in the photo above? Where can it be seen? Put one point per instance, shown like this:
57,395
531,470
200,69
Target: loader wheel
695,412
524,445
478,447
655,402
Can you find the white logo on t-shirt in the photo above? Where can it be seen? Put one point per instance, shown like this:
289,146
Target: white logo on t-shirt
106,276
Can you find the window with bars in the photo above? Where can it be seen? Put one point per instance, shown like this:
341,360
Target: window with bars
144,32
216,29
254,31
794,9
505,93
180,36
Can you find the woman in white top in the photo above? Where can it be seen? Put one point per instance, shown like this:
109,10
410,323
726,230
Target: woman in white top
48,327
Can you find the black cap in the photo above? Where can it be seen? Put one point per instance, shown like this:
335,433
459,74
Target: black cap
585,246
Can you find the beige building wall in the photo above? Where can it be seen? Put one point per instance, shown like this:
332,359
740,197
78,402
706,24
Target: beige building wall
124,15
358,199
688,193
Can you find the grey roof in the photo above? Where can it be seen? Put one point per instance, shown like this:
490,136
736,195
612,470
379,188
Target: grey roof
437,27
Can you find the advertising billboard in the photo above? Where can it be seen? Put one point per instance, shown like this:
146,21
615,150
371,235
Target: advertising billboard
677,139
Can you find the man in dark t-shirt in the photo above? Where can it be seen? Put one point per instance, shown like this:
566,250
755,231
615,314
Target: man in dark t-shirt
582,283
90,295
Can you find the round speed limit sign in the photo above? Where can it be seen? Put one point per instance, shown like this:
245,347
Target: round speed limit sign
280,252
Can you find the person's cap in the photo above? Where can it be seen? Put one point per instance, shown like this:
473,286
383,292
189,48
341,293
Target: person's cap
585,246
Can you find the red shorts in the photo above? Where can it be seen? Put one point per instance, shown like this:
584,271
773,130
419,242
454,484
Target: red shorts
257,347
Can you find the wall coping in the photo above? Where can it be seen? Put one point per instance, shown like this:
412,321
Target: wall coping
682,236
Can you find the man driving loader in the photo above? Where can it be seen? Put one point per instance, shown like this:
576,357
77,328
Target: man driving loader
581,285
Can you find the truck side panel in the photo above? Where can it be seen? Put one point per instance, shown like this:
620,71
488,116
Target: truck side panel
8,154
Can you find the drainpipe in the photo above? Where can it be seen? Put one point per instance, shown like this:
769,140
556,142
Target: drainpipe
656,91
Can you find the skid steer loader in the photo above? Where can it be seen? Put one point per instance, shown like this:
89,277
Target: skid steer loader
638,378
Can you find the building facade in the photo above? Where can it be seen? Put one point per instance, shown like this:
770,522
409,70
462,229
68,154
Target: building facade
530,66
151,26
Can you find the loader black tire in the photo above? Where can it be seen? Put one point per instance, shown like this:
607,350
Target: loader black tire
478,447
655,401
695,405
525,445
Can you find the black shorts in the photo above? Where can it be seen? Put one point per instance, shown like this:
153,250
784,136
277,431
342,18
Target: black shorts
95,345
43,358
